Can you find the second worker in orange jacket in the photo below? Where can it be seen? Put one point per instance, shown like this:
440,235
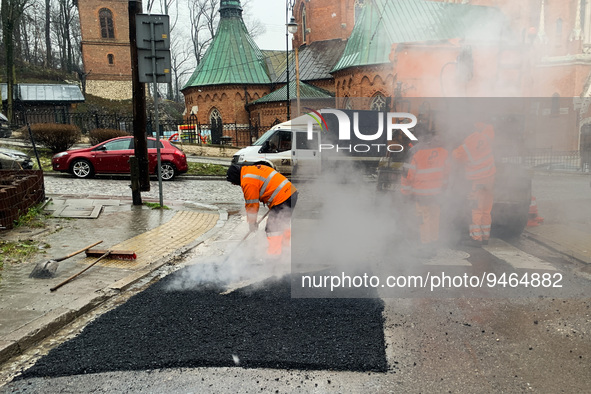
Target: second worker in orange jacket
425,177
479,164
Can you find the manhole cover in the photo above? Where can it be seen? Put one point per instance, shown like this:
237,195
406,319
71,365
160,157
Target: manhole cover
78,212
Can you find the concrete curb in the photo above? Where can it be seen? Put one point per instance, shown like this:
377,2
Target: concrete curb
17,342
188,177
28,335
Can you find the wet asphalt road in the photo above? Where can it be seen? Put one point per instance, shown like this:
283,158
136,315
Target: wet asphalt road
183,341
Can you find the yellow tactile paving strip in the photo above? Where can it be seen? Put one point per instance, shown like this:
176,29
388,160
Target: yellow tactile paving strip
184,228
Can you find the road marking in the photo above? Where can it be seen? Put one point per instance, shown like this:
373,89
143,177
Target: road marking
516,257
450,257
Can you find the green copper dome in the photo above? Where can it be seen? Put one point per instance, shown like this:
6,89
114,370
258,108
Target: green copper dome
232,57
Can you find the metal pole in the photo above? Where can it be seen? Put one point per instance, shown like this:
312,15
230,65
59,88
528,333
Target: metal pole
139,105
34,146
287,57
297,60
154,79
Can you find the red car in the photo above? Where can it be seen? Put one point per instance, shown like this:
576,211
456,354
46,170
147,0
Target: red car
112,157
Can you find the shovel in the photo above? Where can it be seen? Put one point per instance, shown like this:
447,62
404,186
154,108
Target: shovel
106,254
243,239
46,269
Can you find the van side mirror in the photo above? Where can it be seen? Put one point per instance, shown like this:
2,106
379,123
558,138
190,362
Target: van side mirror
265,148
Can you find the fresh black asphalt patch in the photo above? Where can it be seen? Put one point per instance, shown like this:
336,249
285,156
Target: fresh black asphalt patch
261,325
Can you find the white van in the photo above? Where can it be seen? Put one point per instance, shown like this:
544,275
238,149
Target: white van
286,148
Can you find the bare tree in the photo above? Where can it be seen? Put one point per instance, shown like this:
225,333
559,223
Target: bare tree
12,11
203,21
181,60
32,48
63,20
48,55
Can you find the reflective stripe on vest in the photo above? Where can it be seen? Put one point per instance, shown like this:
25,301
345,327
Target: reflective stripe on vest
266,183
430,170
254,176
490,167
281,185
427,192
252,201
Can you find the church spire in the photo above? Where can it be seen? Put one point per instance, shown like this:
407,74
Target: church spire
230,8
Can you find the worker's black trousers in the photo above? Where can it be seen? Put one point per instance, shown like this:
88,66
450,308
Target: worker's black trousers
280,215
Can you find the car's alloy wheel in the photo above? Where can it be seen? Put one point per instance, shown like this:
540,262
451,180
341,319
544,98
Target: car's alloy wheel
168,171
82,169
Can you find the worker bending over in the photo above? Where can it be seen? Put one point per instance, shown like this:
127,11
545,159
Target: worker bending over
479,164
264,184
424,179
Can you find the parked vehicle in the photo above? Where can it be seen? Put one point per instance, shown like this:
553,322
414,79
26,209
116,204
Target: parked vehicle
288,148
5,131
279,148
112,157
11,159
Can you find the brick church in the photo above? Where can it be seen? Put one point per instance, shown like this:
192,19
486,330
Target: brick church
373,54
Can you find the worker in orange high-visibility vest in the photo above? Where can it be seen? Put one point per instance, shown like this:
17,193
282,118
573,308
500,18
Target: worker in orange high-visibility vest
425,178
263,184
478,159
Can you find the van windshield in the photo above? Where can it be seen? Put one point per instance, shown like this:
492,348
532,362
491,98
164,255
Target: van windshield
264,137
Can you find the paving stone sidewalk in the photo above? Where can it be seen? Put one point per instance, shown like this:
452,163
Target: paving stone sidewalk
29,311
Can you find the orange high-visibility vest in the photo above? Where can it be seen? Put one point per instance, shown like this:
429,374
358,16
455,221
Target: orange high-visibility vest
427,172
476,153
263,184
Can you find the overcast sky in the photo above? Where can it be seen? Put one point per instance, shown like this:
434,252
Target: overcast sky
271,13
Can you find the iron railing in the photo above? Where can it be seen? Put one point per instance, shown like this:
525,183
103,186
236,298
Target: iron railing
188,130
551,160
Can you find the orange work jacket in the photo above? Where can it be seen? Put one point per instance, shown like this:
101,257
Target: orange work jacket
263,184
476,153
427,172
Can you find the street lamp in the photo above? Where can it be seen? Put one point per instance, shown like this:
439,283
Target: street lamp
290,28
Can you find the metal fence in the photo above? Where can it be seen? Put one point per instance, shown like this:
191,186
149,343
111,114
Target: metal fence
551,160
197,133
85,121
558,160
188,130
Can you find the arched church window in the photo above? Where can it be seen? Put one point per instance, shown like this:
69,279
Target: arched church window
304,24
106,22
378,103
216,126
347,104
215,116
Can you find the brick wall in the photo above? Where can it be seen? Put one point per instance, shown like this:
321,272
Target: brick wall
364,82
227,99
325,20
19,191
95,50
